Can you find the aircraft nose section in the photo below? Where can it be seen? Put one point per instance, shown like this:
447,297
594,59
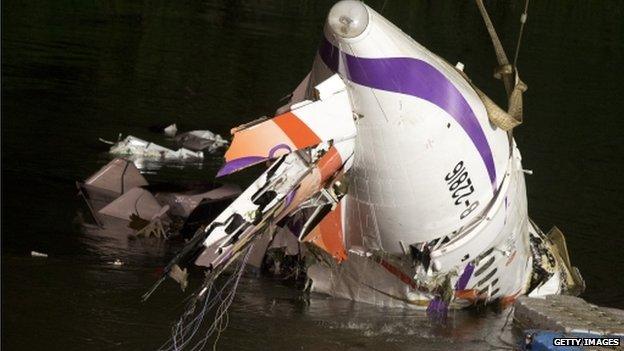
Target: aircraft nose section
348,18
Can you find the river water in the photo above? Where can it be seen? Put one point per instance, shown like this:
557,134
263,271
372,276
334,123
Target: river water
74,71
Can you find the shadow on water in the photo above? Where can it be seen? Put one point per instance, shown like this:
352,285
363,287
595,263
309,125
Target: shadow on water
73,72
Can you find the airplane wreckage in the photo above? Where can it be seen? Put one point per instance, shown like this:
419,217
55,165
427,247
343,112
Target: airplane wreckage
394,176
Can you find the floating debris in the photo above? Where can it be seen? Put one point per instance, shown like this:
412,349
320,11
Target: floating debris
118,196
116,262
109,183
201,140
38,254
171,130
138,210
134,147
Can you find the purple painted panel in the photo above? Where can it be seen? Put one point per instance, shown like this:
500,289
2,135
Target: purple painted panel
239,163
462,282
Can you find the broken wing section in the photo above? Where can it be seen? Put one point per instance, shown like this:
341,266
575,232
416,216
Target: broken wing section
289,182
285,187
307,124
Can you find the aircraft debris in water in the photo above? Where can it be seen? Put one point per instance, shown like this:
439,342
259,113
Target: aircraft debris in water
192,147
133,147
120,200
398,177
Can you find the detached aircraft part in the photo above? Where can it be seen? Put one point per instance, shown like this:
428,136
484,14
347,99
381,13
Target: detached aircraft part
118,196
107,184
137,210
201,140
134,147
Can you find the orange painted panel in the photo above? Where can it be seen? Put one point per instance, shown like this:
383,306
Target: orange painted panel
328,235
258,141
297,131
329,163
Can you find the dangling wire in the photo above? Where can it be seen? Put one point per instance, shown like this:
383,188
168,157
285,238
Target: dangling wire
383,7
207,299
523,19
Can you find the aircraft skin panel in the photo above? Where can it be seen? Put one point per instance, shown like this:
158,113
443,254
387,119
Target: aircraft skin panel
258,141
301,128
385,58
328,234
427,160
297,130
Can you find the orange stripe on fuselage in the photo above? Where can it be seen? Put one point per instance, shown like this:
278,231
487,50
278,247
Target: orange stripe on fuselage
328,235
331,232
398,273
329,163
300,134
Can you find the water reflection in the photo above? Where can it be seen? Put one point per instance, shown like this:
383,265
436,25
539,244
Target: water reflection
110,244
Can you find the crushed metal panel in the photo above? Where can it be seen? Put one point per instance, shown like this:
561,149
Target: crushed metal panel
137,201
118,176
184,202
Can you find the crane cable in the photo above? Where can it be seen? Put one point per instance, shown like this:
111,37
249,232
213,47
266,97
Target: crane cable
523,19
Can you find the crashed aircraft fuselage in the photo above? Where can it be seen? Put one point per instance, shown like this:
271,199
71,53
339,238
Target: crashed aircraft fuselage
432,179
405,191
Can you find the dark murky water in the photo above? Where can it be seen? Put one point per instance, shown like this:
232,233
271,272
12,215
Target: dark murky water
73,71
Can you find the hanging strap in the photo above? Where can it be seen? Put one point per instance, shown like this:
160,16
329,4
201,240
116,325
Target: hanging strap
506,72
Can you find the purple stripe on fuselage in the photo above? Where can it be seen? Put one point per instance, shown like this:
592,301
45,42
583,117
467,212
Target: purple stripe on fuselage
413,77
463,279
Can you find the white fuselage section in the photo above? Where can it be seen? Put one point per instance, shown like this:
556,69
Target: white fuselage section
429,166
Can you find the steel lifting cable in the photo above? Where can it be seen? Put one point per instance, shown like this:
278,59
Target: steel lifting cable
523,19
498,47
